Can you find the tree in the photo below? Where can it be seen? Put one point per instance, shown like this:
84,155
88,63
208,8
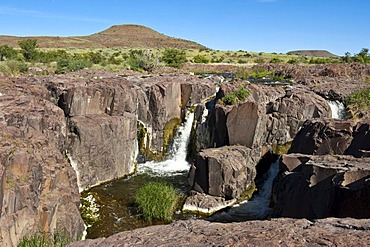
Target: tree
28,49
174,57
347,57
7,52
200,59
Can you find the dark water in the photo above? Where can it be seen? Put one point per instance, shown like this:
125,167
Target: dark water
111,209
116,208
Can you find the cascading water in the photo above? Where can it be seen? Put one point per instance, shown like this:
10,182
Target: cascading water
255,209
338,110
109,208
176,163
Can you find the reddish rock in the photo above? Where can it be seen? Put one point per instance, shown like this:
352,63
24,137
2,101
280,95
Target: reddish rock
275,232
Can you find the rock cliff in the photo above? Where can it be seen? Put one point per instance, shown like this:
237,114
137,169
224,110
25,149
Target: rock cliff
63,133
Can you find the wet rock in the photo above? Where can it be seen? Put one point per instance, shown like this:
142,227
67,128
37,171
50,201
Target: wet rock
319,186
275,232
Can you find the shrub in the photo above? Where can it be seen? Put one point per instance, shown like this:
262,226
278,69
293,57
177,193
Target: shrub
157,200
200,59
28,49
276,60
242,93
229,99
174,57
359,100
7,52
95,57
13,68
142,60
70,65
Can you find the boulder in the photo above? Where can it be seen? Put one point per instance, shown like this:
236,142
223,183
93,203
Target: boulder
321,137
274,232
102,147
319,186
223,172
269,117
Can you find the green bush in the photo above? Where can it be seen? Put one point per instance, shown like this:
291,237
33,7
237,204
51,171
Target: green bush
7,52
242,93
13,68
140,60
359,100
174,57
229,99
28,49
157,200
200,59
70,65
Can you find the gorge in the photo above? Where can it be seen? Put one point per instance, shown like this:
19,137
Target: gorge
69,133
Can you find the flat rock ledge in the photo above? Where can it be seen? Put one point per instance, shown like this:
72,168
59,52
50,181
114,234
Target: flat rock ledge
206,204
275,232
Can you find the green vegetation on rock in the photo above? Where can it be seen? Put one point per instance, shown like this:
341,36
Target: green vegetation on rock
157,200
359,101
232,98
42,240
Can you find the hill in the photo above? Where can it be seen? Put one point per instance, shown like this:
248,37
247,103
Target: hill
128,36
312,53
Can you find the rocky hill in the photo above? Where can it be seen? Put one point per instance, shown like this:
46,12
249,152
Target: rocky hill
312,53
128,36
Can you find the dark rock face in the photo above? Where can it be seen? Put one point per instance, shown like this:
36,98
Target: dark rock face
270,116
322,186
103,114
223,172
64,131
333,137
275,232
38,189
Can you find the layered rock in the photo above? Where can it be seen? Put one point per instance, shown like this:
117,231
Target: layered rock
333,137
322,186
275,232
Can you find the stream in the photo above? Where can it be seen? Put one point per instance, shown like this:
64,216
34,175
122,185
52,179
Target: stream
109,208
338,110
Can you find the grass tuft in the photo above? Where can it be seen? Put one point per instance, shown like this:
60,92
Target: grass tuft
157,200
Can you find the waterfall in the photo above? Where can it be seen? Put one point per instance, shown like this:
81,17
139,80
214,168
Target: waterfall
176,163
257,207
338,110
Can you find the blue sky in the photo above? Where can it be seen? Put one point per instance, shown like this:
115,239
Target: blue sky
252,25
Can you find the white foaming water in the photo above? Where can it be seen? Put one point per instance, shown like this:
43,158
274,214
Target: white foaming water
256,208
176,163
338,110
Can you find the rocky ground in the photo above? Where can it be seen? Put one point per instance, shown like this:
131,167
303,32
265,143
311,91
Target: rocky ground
275,232
63,133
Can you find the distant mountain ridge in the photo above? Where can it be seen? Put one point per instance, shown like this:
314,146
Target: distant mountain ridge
313,53
128,36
